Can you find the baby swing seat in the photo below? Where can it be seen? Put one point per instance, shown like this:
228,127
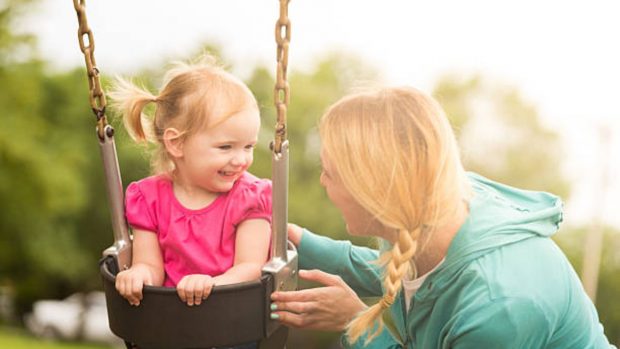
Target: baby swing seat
231,315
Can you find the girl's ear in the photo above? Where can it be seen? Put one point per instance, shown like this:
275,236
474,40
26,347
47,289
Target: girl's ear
173,142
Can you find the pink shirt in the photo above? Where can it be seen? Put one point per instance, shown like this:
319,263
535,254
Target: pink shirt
196,241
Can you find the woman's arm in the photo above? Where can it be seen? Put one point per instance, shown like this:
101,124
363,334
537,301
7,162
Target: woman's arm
147,267
355,264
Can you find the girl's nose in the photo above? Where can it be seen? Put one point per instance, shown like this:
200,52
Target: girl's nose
239,159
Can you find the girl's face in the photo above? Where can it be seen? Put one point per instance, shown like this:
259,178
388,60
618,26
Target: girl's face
214,158
358,220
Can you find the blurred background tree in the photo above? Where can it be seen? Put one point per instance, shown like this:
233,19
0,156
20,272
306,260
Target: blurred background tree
43,186
55,222
501,135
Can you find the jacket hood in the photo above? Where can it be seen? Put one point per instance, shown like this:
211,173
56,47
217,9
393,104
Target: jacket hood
498,215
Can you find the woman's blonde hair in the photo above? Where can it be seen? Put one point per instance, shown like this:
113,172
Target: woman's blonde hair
396,154
194,95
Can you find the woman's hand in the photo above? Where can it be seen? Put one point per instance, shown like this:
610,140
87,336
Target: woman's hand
328,308
194,288
130,282
294,233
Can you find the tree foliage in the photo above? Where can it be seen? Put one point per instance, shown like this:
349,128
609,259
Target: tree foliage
571,241
501,135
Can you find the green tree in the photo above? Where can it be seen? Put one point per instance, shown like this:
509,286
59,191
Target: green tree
41,160
501,135
571,241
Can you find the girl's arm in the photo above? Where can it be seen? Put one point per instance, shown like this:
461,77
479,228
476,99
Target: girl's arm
251,252
147,267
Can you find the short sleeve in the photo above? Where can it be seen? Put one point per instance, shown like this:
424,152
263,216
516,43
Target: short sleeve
255,201
137,209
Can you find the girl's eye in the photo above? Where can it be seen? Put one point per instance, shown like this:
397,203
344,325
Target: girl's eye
224,147
249,146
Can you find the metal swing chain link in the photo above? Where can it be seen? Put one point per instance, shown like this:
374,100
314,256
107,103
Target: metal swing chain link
96,95
282,90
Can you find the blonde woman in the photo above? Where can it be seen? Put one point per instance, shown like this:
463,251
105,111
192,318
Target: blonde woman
465,262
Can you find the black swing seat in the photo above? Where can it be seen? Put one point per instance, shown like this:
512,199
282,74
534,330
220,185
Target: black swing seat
231,315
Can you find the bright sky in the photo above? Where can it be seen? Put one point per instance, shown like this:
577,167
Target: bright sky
563,56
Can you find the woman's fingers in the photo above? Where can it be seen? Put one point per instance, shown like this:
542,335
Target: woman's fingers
321,277
294,233
293,320
293,307
306,295
330,307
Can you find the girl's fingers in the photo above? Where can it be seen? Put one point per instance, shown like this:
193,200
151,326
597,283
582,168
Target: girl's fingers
207,289
136,288
198,292
204,289
192,289
130,283
181,289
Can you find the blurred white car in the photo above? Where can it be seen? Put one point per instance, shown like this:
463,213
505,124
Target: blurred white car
78,317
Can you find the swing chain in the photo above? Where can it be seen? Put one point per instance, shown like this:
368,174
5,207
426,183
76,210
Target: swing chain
282,89
96,95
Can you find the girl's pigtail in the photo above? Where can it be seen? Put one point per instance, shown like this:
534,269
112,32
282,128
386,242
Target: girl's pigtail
397,266
131,100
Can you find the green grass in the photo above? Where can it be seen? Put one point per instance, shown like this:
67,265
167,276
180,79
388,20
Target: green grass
11,338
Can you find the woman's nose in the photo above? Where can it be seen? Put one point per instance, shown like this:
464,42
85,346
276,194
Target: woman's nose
322,179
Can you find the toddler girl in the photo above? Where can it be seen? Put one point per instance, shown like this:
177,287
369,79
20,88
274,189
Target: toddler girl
202,219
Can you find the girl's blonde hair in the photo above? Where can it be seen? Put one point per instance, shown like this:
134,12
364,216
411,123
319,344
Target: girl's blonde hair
193,96
397,155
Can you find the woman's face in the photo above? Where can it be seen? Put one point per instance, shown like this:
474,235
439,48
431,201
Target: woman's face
358,220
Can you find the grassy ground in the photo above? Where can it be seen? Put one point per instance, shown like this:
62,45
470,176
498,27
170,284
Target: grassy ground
18,339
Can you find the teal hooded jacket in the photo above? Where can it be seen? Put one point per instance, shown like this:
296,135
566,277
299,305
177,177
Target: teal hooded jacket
504,283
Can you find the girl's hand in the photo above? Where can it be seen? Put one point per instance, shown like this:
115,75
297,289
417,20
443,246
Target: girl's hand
327,308
193,289
130,282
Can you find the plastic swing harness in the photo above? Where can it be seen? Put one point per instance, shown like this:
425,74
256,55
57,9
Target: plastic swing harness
232,314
